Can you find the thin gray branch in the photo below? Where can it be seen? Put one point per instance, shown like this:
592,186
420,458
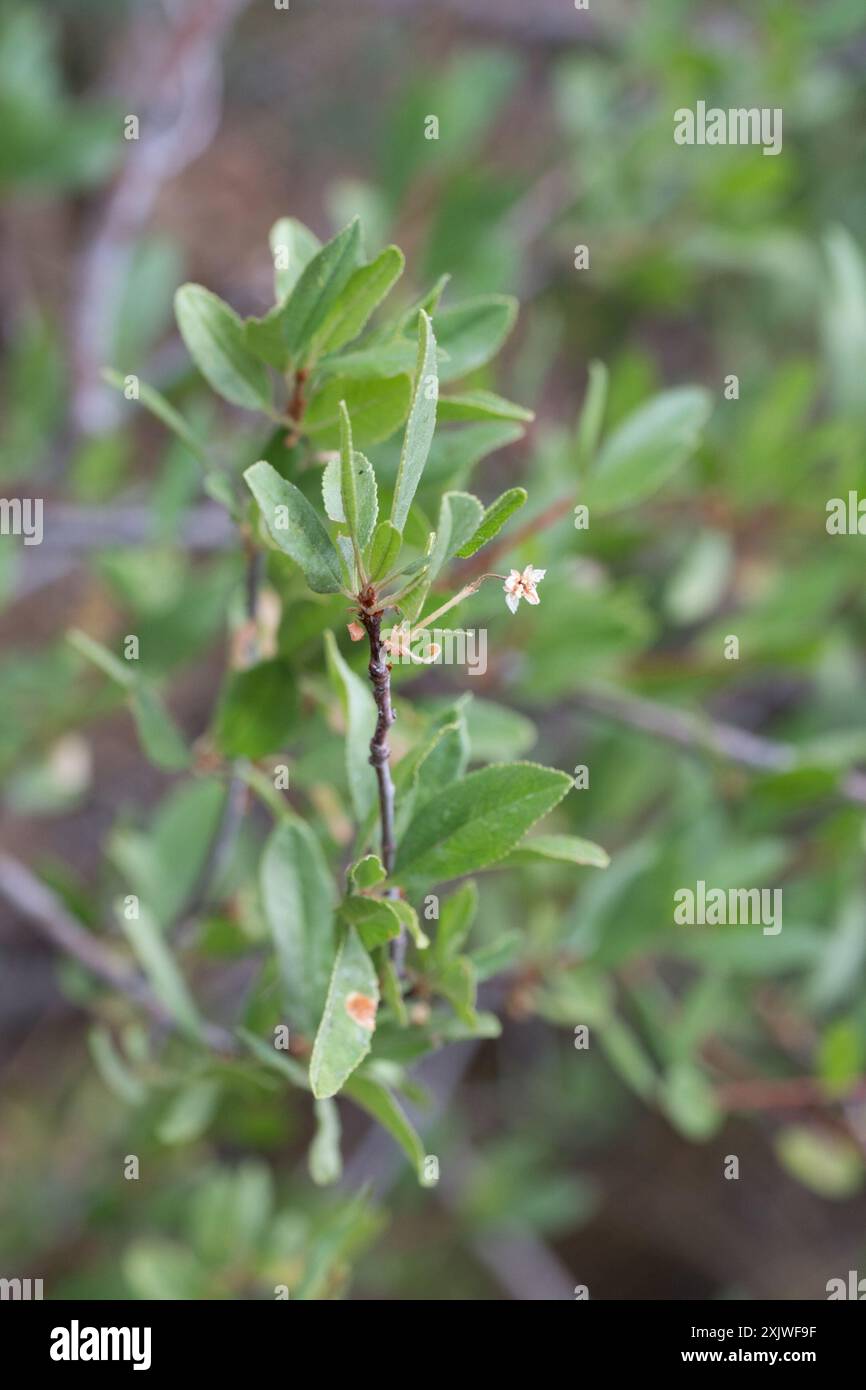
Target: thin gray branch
205,527
700,733
23,891
171,80
71,531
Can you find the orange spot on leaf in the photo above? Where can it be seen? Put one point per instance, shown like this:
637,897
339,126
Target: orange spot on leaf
362,1009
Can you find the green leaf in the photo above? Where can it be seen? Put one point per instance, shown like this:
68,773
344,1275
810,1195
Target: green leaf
162,971
378,406
368,872
295,527
409,920
190,1112
392,992
379,1102
229,1213
318,288
325,1159
214,336
339,1234
493,520
156,1268
497,956
351,577
841,1056
697,586
435,762
161,740
648,448
591,416
455,922
156,403
348,483
455,452
160,737
365,290
384,550
477,821
113,1069
298,899
628,1057
471,333
368,497
449,1028
359,714
264,338
460,515
577,993
828,1163
393,358
688,1100
275,1060
332,495
419,426
429,302
163,863
362,480
121,672
843,318
293,247
375,919
258,710
343,1041
497,733
481,405
568,849
455,980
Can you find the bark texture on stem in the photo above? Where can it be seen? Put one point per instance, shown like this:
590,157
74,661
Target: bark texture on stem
380,752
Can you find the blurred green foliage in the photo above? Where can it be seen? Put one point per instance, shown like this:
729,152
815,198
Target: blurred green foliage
703,263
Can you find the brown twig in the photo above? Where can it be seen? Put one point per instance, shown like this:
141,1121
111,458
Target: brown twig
297,405
782,1093
380,752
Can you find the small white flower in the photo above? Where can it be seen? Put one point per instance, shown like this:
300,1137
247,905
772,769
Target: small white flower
518,586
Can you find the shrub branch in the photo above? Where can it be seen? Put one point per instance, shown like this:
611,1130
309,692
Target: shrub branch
380,751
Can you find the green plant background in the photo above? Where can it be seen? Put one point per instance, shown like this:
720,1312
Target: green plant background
559,1167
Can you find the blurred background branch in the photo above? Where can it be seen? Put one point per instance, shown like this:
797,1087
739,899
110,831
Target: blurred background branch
168,75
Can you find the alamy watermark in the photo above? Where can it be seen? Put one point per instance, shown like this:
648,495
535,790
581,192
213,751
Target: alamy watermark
439,647
853,1287
716,907
22,516
740,125
23,1290
77,1343
846,516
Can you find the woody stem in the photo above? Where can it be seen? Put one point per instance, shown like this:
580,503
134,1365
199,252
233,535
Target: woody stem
380,752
